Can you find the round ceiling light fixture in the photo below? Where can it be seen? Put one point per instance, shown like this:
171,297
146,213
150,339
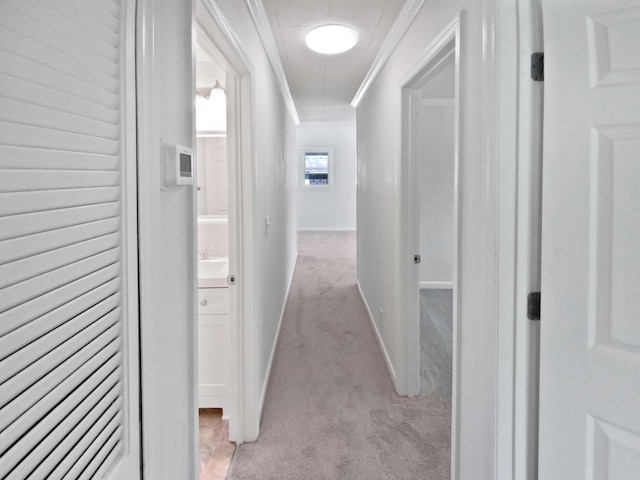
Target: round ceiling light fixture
331,39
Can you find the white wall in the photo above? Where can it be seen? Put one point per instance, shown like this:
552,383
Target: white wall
274,190
168,231
214,232
381,222
212,177
333,207
436,194
167,237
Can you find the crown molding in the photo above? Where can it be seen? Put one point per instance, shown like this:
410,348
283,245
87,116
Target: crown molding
228,31
400,26
261,22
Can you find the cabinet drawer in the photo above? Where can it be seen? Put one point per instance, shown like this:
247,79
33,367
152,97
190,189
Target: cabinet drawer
213,301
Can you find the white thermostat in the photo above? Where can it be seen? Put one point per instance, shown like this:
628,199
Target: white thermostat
178,165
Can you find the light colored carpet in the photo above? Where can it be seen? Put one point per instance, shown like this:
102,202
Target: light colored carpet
331,411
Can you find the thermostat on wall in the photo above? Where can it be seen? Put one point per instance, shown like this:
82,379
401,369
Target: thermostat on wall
178,165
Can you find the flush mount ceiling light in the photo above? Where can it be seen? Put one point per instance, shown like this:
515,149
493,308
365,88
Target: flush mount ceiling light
330,39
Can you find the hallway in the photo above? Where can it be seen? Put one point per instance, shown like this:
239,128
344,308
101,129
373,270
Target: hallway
331,411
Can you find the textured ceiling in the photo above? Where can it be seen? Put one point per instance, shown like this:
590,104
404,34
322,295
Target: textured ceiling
324,85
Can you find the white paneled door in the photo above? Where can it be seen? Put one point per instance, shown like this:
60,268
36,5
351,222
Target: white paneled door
590,330
68,265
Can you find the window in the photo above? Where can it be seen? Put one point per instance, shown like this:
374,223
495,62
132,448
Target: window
317,166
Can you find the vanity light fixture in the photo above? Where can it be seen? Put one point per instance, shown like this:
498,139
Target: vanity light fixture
218,91
211,111
331,39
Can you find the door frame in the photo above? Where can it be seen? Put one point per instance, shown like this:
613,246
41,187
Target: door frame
518,207
218,38
446,44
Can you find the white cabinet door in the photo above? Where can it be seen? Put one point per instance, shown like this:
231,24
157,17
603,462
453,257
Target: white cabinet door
590,327
214,353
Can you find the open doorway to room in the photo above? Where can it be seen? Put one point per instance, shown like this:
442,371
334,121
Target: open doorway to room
223,143
214,251
430,161
436,158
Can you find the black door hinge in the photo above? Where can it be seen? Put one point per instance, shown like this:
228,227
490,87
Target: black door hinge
537,66
533,306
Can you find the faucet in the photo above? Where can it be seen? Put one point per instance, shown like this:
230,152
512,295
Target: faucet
204,255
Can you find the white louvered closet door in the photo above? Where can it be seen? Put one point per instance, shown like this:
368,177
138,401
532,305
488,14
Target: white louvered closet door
68,264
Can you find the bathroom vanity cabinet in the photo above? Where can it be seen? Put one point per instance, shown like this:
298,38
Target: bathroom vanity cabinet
213,348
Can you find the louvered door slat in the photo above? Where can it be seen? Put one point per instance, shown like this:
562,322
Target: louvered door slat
39,264
102,15
47,18
20,112
32,92
27,347
45,54
54,387
26,69
96,456
68,251
37,223
29,158
20,323
88,427
54,348
54,138
97,26
28,202
61,431
37,288
100,463
15,181
98,433
20,451
20,22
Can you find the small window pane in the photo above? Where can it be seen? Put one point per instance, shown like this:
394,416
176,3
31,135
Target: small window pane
316,168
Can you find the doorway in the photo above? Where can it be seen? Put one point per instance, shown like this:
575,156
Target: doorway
225,303
430,162
214,251
436,162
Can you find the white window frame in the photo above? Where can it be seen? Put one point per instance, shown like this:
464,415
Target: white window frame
330,149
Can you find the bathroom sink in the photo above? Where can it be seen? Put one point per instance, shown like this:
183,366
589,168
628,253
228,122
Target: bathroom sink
213,272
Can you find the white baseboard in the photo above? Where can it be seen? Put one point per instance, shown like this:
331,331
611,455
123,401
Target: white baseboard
385,354
436,285
326,229
265,384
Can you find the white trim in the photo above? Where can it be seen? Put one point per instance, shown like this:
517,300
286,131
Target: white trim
267,376
519,120
436,285
213,219
261,22
149,178
432,50
383,349
326,229
438,102
398,30
228,32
